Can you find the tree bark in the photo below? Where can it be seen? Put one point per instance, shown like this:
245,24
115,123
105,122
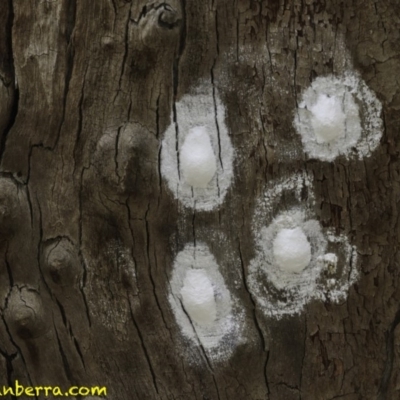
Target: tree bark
90,231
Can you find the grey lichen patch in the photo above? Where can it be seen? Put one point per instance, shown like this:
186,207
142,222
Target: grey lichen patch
25,314
61,263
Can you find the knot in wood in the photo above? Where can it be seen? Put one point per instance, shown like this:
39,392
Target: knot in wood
25,314
169,18
61,263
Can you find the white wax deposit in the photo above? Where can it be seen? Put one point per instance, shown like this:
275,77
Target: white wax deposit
204,308
196,151
331,259
292,250
197,159
328,119
198,297
331,282
339,116
292,239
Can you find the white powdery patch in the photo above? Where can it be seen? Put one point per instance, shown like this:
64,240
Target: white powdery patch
196,153
296,261
285,291
202,304
340,270
296,184
337,115
289,279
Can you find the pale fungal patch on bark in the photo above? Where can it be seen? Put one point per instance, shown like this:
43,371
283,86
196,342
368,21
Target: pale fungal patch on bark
202,304
296,261
339,116
197,154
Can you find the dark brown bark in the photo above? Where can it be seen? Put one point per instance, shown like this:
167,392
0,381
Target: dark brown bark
89,229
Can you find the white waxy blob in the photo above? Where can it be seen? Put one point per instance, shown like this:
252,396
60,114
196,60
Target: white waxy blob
329,261
205,311
197,159
328,119
198,297
339,116
292,250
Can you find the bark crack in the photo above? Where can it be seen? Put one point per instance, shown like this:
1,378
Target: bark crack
388,369
15,102
80,254
64,359
158,115
8,266
194,227
132,235
216,116
18,349
145,352
149,263
9,367
304,354
116,155
256,323
71,19
126,51
39,248
203,351
159,306
295,73
214,90
80,119
78,349
175,74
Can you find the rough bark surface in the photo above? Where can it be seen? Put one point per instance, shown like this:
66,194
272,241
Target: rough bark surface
89,230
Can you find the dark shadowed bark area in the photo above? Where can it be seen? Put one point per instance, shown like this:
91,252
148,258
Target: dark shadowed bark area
89,230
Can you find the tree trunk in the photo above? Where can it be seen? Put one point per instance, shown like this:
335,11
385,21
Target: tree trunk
92,229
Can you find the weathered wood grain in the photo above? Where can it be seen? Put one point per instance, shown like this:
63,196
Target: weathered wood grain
87,89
